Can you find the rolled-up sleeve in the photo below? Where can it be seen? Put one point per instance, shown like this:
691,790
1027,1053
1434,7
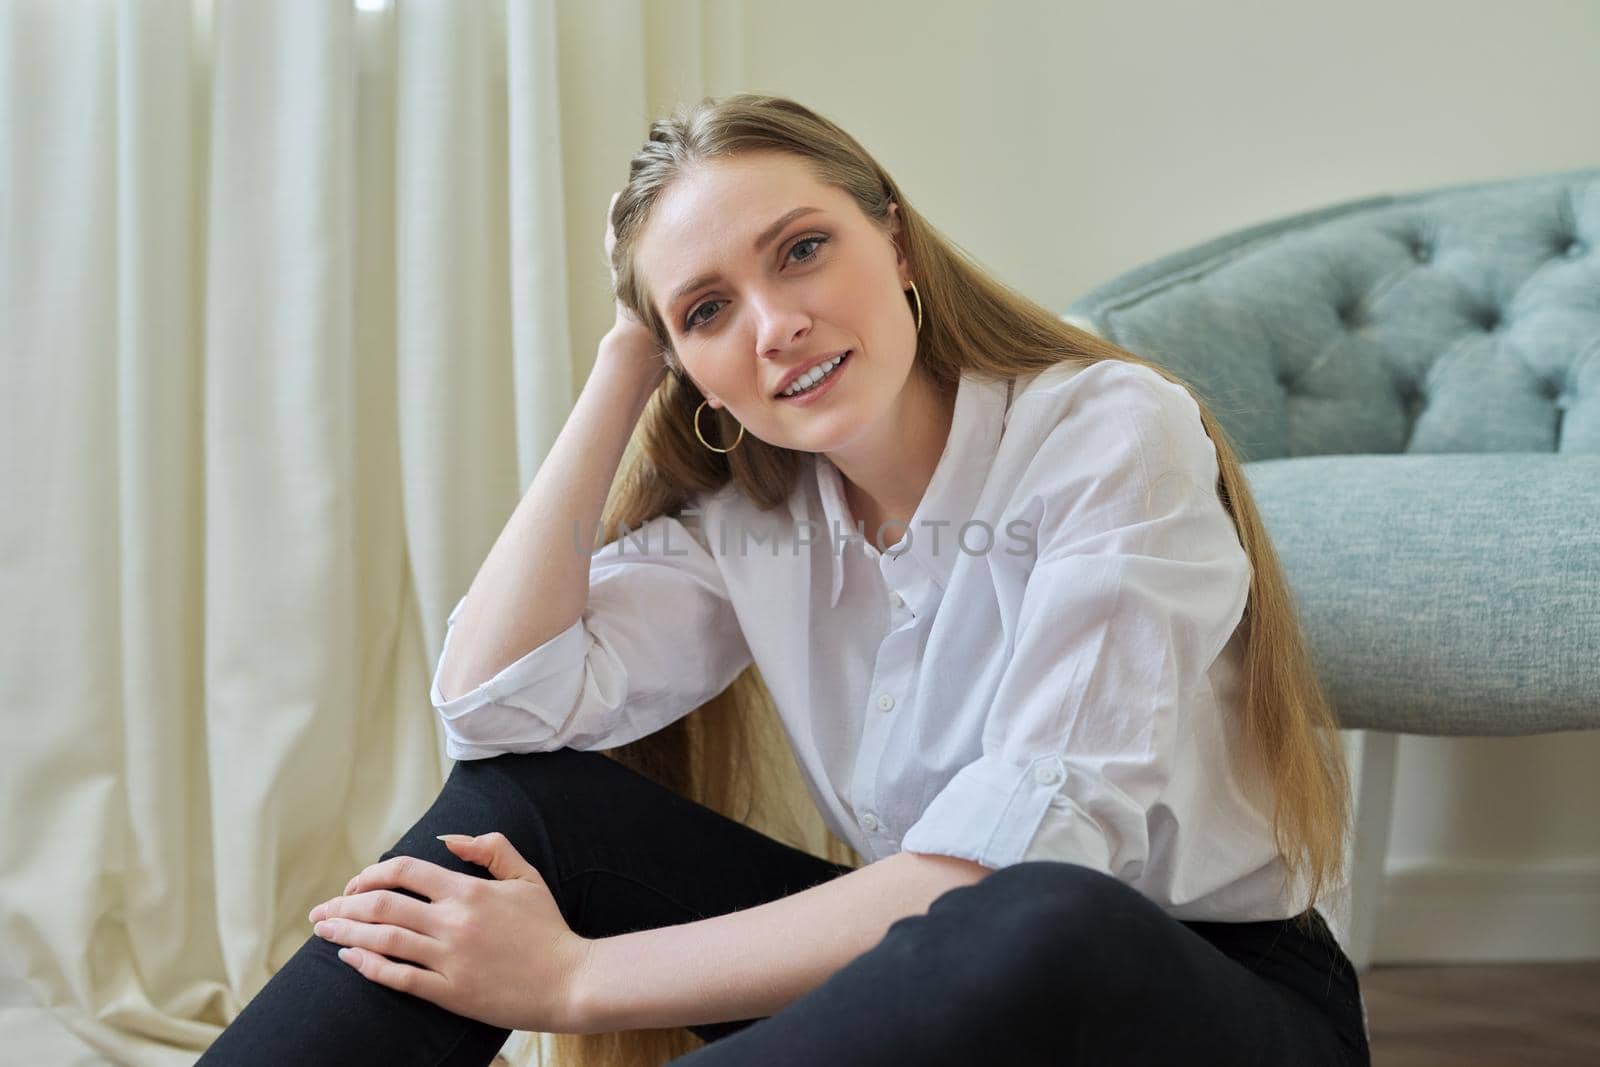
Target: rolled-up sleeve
658,638
1139,582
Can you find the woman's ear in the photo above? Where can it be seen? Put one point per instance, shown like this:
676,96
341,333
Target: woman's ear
690,384
900,260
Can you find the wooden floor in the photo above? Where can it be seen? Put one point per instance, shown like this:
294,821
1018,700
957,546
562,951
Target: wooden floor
1544,1014
1497,1015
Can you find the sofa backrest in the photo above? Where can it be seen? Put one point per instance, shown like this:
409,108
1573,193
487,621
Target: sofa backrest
1457,319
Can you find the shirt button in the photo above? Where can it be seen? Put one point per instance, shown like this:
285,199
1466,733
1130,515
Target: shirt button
898,600
1046,775
869,822
885,702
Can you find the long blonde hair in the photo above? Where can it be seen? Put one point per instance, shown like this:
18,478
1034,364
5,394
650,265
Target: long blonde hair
971,323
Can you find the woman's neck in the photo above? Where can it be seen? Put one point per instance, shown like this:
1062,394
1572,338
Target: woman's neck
886,475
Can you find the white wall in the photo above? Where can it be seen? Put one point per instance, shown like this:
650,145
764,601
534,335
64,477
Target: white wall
1062,143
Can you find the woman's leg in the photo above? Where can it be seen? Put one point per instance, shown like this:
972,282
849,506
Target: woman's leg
1058,964
619,852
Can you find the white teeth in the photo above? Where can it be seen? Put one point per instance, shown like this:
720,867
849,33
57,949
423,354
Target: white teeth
813,376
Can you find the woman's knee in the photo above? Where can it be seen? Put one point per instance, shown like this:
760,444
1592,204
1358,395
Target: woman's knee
567,775
1063,923
485,796
1038,891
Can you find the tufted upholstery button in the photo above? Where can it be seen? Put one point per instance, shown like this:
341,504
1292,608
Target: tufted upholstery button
1491,320
1422,252
1574,248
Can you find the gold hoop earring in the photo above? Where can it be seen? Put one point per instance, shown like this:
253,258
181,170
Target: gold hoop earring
918,297
702,436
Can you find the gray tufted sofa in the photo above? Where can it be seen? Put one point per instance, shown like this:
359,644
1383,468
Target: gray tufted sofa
1413,385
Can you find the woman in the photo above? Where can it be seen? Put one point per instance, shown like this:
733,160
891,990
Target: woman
1052,691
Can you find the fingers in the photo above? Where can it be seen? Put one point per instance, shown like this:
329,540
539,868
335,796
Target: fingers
405,872
418,982
611,237
381,907
396,942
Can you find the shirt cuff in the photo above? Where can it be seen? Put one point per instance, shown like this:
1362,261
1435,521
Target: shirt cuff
499,707
997,814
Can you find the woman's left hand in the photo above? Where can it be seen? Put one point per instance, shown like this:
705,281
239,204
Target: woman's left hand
496,950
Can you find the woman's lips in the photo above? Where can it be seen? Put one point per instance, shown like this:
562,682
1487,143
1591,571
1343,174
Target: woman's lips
824,386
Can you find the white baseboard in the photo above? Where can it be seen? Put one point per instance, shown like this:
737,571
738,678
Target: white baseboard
1445,912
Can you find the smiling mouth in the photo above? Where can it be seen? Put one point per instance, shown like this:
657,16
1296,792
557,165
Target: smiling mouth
784,394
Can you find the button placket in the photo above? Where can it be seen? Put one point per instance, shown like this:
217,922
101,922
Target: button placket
889,677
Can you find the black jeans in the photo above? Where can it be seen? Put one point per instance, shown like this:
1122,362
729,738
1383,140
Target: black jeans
1040,963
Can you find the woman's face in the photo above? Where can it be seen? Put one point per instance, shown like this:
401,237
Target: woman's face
742,318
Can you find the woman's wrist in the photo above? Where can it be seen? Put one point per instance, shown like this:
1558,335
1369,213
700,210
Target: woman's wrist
625,367
625,374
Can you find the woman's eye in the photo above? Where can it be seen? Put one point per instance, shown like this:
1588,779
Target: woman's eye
819,241
691,322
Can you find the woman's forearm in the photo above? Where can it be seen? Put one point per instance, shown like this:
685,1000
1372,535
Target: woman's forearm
752,963
535,582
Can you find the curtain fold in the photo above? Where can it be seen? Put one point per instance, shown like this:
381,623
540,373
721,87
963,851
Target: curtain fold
288,300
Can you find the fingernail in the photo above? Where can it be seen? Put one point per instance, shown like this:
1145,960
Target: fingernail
447,838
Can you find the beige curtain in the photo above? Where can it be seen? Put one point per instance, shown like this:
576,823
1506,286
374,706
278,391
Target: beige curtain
296,295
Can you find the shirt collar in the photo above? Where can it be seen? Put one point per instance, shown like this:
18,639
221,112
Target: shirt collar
952,493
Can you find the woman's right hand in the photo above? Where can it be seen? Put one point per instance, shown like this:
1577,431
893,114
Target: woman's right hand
629,340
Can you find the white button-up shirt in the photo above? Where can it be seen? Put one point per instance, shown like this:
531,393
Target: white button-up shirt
1045,664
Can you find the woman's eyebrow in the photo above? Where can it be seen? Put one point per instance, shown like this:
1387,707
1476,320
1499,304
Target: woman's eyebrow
764,238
